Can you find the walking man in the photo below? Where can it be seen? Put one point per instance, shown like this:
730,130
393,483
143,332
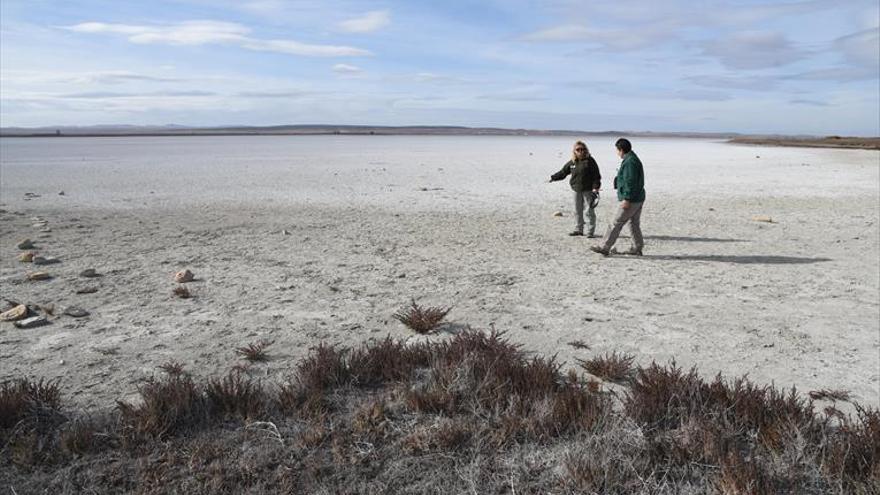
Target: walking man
630,185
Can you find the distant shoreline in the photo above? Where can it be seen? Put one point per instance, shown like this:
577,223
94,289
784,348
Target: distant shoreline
866,143
825,142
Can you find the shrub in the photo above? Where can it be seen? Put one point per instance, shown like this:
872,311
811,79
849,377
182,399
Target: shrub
421,320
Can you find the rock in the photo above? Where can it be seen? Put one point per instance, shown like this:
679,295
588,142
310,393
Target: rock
44,260
87,290
89,273
38,276
61,362
15,313
762,218
26,257
61,193
39,225
75,312
184,276
25,244
557,213
285,232
32,322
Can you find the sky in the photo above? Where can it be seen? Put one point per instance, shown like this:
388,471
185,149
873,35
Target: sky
769,67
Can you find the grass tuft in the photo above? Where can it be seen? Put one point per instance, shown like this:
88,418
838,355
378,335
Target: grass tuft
255,352
420,319
612,367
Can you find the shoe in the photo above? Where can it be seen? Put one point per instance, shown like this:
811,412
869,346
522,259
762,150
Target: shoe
575,233
600,250
591,236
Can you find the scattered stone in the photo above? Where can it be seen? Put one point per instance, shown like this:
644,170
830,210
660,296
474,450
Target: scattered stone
61,193
49,309
15,313
557,213
33,321
87,290
44,260
27,257
38,276
184,276
25,244
61,362
45,230
285,232
39,224
31,195
89,273
75,312
762,218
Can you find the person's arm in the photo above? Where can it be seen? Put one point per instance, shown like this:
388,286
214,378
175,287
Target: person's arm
566,169
597,182
625,182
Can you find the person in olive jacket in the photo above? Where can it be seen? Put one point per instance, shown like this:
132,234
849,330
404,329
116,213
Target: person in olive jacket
630,185
585,182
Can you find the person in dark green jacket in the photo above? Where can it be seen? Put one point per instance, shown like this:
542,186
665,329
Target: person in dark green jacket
585,182
630,185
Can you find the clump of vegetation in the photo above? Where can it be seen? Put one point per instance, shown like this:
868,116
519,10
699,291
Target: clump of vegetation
255,352
473,413
182,292
612,367
421,320
829,394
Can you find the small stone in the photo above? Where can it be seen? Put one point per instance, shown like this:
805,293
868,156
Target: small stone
61,193
27,257
25,244
33,321
38,276
87,290
61,362
44,260
285,232
75,312
39,224
762,218
184,276
557,213
15,313
89,273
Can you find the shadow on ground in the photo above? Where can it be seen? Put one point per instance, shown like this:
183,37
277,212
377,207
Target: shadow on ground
690,239
758,259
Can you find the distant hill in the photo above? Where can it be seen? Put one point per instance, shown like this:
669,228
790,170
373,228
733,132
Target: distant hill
302,130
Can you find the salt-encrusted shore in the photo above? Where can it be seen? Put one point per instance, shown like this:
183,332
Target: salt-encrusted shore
793,302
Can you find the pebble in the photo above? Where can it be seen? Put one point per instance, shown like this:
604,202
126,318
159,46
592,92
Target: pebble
26,257
25,244
75,312
61,193
87,290
15,313
33,321
44,260
557,213
184,276
89,273
762,218
38,276
61,362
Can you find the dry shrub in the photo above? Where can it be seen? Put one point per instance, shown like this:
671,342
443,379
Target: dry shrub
740,476
182,292
255,352
371,421
85,435
236,395
169,406
852,451
828,394
446,435
421,320
612,366
322,370
375,364
579,344
27,399
172,368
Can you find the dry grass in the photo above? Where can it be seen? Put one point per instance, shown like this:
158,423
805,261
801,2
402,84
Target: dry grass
421,320
612,367
470,414
255,352
829,394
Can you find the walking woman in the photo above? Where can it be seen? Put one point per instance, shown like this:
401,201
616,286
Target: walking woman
585,182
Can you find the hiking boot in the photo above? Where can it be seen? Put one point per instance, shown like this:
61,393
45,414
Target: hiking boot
628,252
575,233
591,236
600,250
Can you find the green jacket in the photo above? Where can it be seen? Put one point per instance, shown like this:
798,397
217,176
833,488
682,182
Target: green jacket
630,180
584,174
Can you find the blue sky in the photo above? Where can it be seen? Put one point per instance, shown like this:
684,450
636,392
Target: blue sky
791,67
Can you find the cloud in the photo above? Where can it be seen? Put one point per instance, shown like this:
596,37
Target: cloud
348,70
285,94
839,74
809,102
213,32
760,83
155,94
754,50
861,48
102,77
367,23
613,39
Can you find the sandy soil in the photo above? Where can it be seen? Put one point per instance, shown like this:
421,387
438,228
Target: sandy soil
793,302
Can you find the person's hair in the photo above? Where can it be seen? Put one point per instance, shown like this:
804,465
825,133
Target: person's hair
574,155
623,145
